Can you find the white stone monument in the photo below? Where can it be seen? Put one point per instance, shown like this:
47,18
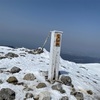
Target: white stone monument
56,37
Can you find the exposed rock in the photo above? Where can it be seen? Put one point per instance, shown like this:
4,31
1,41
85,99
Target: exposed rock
2,57
30,52
7,94
1,82
12,79
28,89
1,71
64,98
41,85
78,95
35,51
44,96
66,80
44,73
89,92
15,70
36,97
58,87
25,98
11,55
29,95
95,82
20,83
29,77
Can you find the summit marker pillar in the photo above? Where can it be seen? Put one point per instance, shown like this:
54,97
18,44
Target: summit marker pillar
56,37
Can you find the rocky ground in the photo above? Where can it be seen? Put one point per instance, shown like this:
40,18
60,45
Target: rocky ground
24,76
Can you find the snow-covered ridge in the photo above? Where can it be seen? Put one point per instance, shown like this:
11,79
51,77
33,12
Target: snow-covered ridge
84,76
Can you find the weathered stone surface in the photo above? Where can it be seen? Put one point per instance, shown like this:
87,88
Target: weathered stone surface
64,98
7,94
58,87
89,92
79,96
35,51
1,82
44,96
29,77
11,55
41,85
66,80
36,97
1,71
15,70
28,89
12,79
2,57
29,95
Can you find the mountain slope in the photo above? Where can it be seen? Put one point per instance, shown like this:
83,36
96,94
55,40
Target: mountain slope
85,77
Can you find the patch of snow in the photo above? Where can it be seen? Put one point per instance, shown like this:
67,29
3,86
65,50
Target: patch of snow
84,76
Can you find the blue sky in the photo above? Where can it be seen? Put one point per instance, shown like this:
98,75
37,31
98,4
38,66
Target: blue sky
27,23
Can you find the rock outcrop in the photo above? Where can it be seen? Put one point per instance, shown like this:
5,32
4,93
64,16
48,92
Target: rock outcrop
41,85
29,77
58,87
12,80
11,55
15,70
7,94
66,80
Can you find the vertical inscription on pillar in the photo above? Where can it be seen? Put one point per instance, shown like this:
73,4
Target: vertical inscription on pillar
57,40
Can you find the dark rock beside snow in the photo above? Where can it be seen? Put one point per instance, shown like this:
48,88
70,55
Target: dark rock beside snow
66,80
89,92
36,51
44,96
12,79
1,71
11,55
15,70
2,57
64,98
41,85
29,95
58,87
79,95
7,94
1,82
29,77
28,89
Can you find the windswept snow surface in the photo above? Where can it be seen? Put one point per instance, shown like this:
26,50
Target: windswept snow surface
84,76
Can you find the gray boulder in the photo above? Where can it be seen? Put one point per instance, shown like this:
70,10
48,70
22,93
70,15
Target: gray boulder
58,87
29,95
2,57
41,85
1,71
12,79
79,95
7,94
11,55
64,98
89,92
66,80
44,96
1,82
29,77
28,89
15,70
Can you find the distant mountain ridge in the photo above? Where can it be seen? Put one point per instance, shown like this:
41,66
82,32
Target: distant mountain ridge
80,59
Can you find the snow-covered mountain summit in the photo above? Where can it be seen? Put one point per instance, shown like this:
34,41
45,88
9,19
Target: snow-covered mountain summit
85,77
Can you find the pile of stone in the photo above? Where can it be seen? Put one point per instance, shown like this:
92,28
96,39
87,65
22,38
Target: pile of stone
9,94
